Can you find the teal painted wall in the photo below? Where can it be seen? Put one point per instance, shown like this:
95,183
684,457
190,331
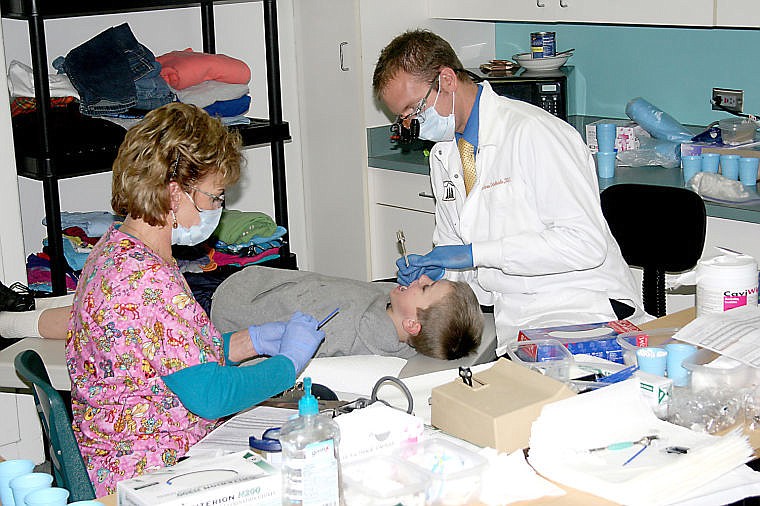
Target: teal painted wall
673,68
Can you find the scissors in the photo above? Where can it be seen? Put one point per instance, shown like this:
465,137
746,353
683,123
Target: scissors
402,242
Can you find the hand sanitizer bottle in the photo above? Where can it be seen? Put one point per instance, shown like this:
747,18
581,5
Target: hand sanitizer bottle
310,464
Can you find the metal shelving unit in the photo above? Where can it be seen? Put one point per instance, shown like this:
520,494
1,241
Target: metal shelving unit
47,164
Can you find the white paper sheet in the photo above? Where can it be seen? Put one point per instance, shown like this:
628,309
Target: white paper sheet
355,375
735,334
566,430
232,436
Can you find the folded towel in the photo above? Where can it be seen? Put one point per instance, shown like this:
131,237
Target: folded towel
182,69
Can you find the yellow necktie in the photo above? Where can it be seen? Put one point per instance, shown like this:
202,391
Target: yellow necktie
467,154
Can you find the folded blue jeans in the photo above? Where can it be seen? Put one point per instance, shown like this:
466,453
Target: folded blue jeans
104,70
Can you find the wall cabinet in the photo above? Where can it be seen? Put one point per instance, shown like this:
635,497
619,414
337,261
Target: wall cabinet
334,152
398,201
738,13
647,12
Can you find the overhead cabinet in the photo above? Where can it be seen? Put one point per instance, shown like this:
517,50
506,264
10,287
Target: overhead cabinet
737,13
627,12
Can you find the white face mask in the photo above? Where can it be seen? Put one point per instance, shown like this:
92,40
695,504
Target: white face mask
435,127
200,232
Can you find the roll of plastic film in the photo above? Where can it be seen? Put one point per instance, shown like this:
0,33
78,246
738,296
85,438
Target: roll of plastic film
726,282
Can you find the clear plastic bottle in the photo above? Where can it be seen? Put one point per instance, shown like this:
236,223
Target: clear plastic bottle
310,463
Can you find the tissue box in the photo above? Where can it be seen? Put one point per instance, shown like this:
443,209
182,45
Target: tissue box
237,478
628,134
499,408
597,339
365,432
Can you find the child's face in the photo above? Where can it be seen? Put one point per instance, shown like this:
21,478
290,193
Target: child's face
421,293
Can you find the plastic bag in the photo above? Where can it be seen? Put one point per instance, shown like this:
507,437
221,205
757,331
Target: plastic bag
652,152
658,123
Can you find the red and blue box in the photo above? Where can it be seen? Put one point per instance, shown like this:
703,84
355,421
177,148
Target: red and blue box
597,339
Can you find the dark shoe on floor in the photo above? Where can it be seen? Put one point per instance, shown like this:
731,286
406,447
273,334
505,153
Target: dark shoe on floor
17,298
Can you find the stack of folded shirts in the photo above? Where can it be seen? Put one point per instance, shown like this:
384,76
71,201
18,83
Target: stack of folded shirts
215,82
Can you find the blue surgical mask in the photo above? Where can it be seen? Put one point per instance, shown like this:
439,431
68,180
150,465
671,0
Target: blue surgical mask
200,232
435,127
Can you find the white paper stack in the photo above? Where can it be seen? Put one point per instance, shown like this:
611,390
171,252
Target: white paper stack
615,415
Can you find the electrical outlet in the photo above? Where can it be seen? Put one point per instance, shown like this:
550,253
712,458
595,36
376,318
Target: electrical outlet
732,100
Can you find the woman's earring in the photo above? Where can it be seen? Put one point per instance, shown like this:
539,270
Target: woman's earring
174,219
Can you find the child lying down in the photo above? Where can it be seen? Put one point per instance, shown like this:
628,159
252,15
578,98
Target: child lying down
440,319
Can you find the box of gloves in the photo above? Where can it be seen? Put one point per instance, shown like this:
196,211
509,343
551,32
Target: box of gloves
237,478
628,134
597,339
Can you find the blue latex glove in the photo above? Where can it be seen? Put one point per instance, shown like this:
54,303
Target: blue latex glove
455,256
266,338
406,274
301,339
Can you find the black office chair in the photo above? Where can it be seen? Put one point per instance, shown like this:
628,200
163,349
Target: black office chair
660,229
68,467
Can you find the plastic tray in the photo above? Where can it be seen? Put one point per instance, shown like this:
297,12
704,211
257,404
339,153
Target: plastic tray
455,471
630,341
384,481
709,370
547,356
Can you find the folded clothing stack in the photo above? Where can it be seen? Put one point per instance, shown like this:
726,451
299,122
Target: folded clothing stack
215,82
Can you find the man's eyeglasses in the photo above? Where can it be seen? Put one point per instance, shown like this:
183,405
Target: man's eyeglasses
406,119
217,201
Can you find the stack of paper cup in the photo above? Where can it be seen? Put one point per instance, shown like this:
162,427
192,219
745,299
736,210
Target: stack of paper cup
606,157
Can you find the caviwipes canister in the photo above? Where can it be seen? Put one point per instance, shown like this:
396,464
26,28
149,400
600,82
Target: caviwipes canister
726,282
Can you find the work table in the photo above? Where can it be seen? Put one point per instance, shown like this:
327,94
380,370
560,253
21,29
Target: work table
383,154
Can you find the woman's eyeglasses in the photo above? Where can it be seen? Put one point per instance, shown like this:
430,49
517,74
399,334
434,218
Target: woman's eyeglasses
217,201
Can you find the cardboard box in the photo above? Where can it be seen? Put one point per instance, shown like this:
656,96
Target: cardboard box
237,478
750,150
597,339
628,134
499,408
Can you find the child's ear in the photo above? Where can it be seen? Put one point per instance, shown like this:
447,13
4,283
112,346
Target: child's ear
411,327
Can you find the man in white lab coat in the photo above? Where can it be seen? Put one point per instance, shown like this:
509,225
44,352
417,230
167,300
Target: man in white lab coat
527,231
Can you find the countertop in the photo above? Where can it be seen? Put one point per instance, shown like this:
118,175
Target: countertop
384,154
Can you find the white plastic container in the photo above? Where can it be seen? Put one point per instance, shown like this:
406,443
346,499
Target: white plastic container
455,470
726,282
547,356
631,341
710,371
310,464
384,481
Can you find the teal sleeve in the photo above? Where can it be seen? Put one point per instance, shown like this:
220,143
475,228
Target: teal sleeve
226,339
212,391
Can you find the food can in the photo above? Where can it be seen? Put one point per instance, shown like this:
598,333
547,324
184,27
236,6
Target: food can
542,44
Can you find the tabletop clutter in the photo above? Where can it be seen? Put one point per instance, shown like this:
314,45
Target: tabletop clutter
623,413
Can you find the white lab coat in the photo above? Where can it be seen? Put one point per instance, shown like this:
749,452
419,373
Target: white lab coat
543,252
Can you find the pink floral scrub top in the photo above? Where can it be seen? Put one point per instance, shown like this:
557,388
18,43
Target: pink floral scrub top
134,320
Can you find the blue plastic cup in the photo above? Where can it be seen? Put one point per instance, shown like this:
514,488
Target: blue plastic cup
691,165
26,483
710,162
677,353
9,470
605,136
86,503
652,360
748,171
48,497
605,163
729,166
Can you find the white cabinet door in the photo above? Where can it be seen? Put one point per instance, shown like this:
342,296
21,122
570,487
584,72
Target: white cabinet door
399,201
646,12
334,144
737,13
495,10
